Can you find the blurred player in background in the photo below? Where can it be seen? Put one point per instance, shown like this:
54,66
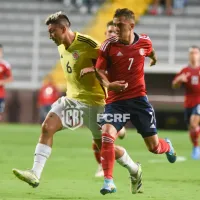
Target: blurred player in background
189,77
110,32
123,58
5,77
47,95
84,94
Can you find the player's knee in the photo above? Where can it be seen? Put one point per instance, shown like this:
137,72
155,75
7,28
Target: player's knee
193,126
109,129
48,128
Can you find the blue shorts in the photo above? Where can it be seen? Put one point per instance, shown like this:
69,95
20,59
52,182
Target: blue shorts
191,111
2,105
139,110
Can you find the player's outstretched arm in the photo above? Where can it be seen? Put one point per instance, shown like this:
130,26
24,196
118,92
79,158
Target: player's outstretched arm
153,58
177,82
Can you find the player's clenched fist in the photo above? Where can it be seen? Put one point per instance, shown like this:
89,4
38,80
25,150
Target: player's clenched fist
153,62
118,86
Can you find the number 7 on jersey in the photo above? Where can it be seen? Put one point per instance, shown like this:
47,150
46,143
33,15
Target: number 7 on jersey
131,63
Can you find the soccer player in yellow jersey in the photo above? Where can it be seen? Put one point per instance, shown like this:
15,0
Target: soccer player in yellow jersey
84,95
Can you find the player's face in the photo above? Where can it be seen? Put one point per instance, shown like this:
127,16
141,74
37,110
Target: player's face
56,33
110,31
194,55
124,27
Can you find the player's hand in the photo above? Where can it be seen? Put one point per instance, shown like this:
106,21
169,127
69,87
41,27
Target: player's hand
118,86
86,71
153,62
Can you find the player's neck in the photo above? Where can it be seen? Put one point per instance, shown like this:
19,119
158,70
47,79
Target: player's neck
69,39
129,40
194,64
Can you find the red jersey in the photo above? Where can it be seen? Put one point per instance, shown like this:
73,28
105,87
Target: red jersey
5,71
192,87
48,94
125,62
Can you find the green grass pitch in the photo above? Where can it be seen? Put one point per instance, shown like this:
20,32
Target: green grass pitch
69,173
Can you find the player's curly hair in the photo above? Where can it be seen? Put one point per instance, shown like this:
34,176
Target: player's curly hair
129,14
58,18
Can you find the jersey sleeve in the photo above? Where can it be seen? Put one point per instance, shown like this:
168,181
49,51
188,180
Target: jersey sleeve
147,45
102,61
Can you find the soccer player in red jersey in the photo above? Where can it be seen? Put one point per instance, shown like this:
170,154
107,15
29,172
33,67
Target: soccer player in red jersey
110,31
123,58
47,95
189,77
5,77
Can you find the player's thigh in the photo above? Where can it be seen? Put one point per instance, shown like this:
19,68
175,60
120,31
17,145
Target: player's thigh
69,112
55,117
143,117
90,115
113,120
195,117
51,124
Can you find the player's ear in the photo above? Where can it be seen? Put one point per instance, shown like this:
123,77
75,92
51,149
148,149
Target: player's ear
64,29
132,25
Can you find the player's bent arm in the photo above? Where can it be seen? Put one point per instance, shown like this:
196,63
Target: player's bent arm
87,70
101,76
176,83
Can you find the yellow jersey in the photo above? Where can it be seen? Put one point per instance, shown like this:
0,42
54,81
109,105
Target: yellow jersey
79,55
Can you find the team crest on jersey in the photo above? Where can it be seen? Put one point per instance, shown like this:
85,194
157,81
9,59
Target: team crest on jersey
142,52
75,55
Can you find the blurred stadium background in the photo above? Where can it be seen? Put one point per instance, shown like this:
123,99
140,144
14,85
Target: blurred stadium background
33,56
69,173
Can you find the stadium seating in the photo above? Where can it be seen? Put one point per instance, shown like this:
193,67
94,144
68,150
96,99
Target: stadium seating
172,35
33,55
26,42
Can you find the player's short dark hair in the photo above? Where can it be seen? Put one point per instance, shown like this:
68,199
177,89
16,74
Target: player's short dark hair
58,18
194,47
110,23
1,46
129,14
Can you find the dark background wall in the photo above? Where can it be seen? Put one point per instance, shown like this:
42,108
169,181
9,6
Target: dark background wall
21,105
